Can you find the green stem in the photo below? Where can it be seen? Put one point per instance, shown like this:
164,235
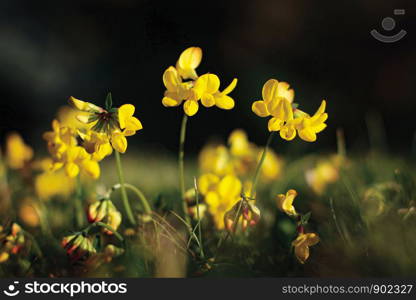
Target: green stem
199,220
124,197
108,227
260,164
79,211
182,138
146,206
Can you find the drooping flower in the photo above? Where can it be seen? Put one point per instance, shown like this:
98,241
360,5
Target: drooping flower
78,246
11,241
104,211
302,244
18,153
286,118
285,202
184,85
243,211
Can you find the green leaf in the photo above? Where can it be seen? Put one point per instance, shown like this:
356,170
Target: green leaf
305,218
108,101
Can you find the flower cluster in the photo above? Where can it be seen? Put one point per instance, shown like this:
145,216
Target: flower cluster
104,211
79,145
78,246
240,158
11,242
286,118
304,240
184,85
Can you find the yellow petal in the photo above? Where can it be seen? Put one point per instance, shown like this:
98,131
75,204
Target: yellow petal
307,135
230,87
119,142
171,79
288,132
92,168
270,90
188,61
170,102
302,253
190,107
207,182
224,102
207,83
260,108
83,105
312,239
275,124
230,187
134,124
207,100
71,169
125,112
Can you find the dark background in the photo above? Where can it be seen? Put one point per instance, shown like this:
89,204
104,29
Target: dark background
51,50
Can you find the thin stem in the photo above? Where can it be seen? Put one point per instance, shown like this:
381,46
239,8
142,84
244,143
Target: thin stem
146,206
199,219
124,197
79,211
108,227
182,138
260,164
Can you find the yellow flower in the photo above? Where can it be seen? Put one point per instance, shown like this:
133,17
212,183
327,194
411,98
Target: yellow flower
240,158
77,246
29,212
324,173
104,211
49,184
220,195
310,126
285,202
112,125
188,61
18,153
286,118
97,144
67,117
302,244
204,88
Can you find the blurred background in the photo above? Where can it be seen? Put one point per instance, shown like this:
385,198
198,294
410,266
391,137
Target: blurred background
88,48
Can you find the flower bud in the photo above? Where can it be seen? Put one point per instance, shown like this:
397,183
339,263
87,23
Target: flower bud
104,211
78,246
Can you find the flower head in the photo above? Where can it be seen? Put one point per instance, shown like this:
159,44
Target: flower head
78,246
220,194
184,85
285,202
18,153
302,244
11,241
110,126
286,118
104,211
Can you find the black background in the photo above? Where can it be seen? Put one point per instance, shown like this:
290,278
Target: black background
51,50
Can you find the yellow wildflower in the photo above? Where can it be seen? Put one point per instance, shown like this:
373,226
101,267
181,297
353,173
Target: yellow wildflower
285,202
278,103
302,244
112,124
29,212
204,88
220,195
324,173
18,153
49,184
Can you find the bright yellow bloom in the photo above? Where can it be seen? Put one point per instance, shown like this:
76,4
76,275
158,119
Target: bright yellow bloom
112,126
67,117
215,159
302,244
18,153
220,195
285,202
277,102
204,88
